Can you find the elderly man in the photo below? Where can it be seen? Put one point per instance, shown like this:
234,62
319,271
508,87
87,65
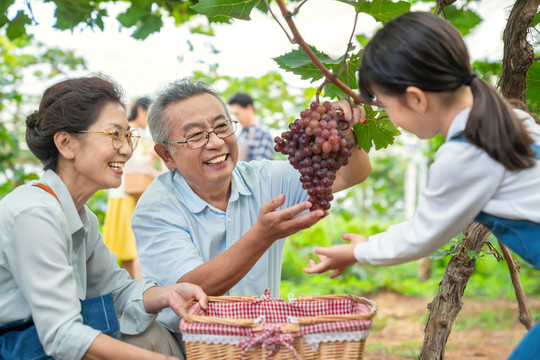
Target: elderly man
211,220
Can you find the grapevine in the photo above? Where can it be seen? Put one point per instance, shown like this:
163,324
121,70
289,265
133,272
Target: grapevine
317,147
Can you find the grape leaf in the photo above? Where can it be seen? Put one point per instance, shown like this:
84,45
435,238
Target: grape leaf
536,20
533,84
299,63
378,132
463,20
148,25
381,10
236,9
16,27
349,78
71,13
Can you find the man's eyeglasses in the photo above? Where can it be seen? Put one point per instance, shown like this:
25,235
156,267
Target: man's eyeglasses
200,138
118,135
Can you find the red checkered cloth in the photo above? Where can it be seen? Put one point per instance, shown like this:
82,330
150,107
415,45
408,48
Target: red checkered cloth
273,313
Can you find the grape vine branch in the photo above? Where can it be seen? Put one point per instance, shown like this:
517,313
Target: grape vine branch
329,76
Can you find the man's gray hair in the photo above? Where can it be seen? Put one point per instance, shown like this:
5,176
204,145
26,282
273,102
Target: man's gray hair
178,90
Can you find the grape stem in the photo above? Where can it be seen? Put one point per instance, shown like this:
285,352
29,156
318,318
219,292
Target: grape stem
329,76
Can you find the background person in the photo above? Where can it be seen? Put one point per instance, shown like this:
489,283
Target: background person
117,232
53,262
211,219
417,67
254,141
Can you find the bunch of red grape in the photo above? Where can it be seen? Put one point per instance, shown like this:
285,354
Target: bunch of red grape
317,147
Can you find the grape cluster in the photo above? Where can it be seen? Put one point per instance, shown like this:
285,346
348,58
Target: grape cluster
316,146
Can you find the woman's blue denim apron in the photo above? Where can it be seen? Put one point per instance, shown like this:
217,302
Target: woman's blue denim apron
523,238
20,340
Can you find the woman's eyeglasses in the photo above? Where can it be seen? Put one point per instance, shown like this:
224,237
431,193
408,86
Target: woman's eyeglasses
118,135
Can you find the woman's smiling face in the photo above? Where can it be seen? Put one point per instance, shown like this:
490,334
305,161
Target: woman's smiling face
98,165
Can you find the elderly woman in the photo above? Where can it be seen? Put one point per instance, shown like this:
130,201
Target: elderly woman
61,290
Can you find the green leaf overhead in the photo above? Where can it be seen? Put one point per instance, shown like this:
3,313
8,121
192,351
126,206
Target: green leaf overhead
150,24
299,63
536,20
378,132
533,84
381,10
464,20
16,27
233,8
69,14
348,76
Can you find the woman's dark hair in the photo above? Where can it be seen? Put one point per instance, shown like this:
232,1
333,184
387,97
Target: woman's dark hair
71,105
141,103
423,50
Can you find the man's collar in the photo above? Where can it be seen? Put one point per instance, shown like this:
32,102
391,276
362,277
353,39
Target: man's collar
195,204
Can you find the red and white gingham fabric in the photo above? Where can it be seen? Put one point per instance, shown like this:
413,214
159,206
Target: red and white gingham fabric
276,313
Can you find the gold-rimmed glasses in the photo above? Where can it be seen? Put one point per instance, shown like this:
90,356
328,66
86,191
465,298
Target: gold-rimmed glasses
118,135
199,139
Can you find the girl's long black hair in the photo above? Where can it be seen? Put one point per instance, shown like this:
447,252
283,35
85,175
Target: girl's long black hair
423,50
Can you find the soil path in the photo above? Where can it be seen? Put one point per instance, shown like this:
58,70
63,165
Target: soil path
398,329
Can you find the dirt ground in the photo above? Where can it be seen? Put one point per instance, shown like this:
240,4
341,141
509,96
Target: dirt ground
398,329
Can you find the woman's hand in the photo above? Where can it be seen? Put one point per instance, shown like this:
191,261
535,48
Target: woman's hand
338,257
181,293
174,296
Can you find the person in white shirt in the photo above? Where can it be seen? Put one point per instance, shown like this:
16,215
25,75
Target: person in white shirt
417,67
62,294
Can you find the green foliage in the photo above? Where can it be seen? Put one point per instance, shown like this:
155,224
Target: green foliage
300,64
98,204
376,130
17,59
381,10
276,103
488,71
16,27
236,9
141,16
536,20
533,87
463,20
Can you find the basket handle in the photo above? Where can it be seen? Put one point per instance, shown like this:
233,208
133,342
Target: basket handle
369,303
184,311
244,322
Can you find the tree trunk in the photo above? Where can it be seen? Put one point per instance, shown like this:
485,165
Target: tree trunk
447,304
518,53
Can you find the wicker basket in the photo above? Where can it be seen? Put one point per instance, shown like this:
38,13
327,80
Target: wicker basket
248,327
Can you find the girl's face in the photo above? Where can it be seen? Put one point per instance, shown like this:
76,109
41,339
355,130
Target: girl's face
98,165
405,112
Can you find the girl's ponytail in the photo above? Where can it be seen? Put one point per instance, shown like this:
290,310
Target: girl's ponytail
494,127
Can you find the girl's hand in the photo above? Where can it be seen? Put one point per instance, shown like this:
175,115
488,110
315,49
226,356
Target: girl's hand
352,115
338,257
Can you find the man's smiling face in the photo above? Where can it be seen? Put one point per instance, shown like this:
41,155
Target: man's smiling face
211,166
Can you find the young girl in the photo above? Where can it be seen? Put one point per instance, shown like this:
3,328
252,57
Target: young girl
417,67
